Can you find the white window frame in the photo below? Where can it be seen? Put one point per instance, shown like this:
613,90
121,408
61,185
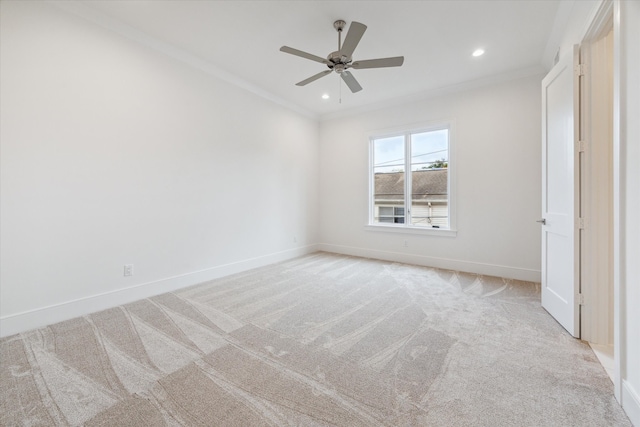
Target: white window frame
407,228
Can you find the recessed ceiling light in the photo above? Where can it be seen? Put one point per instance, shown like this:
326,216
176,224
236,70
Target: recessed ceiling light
478,52
325,96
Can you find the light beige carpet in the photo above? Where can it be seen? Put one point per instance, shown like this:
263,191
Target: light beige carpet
322,340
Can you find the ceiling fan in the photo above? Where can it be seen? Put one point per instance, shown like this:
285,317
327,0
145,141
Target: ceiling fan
340,61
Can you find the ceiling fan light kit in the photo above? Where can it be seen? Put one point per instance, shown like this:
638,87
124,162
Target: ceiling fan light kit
341,60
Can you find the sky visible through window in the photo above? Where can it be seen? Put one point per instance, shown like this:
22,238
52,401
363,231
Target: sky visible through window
426,148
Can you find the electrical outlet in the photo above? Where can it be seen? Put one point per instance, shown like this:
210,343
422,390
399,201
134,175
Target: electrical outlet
406,243
128,269
295,239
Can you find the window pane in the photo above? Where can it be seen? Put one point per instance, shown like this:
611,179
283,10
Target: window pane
386,210
388,175
429,179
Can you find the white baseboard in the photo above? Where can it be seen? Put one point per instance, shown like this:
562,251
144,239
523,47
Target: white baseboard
631,403
445,263
43,316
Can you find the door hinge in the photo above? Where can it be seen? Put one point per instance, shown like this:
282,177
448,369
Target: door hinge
581,146
580,70
581,299
581,223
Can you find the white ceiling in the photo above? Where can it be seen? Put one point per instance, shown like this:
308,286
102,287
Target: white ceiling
436,38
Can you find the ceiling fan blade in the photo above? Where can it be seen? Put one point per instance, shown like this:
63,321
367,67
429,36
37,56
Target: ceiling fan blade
296,52
356,30
351,81
313,78
396,61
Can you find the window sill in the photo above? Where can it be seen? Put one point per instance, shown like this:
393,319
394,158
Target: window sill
442,232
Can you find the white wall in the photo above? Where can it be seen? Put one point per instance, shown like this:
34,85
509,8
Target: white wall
497,168
629,34
113,153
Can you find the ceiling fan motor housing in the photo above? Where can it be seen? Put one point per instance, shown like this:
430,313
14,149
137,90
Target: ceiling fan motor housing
338,62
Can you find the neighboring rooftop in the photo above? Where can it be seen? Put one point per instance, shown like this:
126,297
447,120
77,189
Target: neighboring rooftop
429,185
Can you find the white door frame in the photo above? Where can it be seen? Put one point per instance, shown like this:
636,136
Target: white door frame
621,84
596,181
611,9
619,346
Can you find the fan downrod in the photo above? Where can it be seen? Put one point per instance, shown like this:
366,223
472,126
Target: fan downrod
337,61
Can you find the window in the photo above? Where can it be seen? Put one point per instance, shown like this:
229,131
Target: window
391,214
410,180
